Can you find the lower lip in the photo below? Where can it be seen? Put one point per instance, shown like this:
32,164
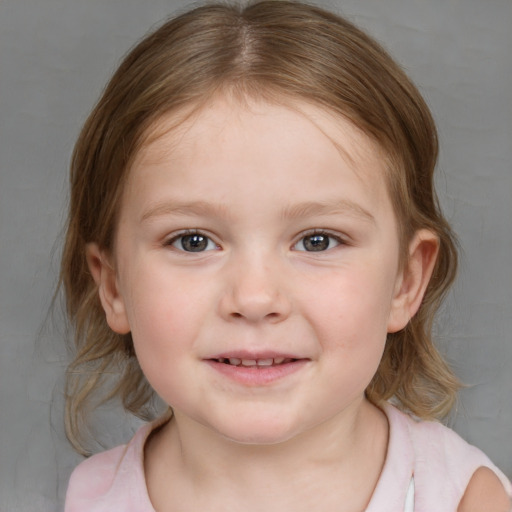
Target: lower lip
257,376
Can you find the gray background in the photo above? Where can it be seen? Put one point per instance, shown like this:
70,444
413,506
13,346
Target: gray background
55,57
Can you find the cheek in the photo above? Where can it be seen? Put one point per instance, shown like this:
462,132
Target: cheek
360,299
351,319
160,317
163,335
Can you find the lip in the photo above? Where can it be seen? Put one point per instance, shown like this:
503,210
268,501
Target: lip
254,376
260,354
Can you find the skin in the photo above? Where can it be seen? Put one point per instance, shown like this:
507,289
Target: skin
256,182
485,492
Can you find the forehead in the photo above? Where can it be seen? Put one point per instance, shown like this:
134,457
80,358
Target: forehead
170,132
231,141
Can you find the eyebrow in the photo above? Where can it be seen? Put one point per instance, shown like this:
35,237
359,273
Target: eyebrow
203,208
336,206
305,209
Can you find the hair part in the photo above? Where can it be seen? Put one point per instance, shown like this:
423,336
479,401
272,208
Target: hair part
267,50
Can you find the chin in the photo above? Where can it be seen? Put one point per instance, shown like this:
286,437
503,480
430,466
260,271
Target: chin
257,432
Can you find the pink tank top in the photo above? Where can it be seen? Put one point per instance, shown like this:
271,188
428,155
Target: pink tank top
427,468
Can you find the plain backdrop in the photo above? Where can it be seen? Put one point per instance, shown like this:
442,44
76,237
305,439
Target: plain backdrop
56,55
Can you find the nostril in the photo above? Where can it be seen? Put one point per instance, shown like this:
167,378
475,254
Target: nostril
268,316
254,307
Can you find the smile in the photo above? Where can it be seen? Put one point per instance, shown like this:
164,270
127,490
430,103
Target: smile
255,363
254,370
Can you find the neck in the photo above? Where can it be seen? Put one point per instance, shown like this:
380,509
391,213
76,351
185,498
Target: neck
186,460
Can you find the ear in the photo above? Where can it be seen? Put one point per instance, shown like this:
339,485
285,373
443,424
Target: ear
414,278
105,278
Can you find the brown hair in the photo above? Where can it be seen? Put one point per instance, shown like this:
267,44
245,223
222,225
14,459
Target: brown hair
268,48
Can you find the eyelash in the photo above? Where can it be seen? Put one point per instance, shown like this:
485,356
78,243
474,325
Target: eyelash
320,232
304,236
190,233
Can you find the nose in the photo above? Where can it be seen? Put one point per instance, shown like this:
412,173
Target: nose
254,292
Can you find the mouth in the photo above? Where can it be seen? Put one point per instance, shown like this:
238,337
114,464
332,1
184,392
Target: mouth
253,370
254,363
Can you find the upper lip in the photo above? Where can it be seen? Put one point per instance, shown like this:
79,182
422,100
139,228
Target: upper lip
254,356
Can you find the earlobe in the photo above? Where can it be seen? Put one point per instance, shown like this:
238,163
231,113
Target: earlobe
413,280
105,278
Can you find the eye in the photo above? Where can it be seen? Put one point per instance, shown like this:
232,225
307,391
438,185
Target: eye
193,242
316,242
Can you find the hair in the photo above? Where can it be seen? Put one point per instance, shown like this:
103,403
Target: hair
270,49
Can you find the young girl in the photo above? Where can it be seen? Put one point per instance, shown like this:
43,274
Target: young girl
253,234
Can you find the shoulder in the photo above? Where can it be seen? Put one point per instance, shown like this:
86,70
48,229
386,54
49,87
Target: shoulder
93,478
435,446
485,492
447,469
112,480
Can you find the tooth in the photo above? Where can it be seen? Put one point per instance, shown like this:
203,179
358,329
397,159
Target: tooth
234,361
265,362
278,360
248,362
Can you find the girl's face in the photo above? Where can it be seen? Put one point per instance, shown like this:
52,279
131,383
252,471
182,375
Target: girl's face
256,265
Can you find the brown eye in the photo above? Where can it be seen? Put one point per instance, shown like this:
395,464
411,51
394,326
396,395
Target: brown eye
316,242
